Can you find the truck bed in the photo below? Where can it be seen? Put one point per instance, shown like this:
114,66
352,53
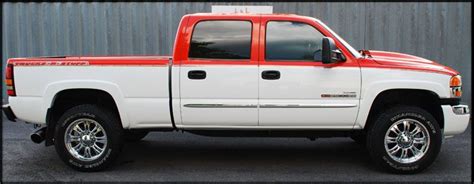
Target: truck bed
140,89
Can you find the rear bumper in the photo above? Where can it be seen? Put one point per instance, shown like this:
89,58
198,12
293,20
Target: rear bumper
456,119
8,112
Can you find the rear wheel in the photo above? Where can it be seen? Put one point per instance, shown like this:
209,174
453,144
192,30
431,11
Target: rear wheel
404,139
88,138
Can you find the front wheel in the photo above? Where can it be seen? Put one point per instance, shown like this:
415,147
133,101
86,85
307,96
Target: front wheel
88,138
404,139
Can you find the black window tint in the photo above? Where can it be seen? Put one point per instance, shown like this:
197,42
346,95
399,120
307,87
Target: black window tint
221,40
292,41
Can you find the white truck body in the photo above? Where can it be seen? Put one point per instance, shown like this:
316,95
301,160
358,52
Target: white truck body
142,95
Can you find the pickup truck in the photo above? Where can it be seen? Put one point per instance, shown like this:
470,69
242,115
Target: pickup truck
258,75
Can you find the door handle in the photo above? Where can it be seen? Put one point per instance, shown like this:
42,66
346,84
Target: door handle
271,75
197,74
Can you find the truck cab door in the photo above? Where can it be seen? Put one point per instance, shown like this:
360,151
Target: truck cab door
295,88
219,78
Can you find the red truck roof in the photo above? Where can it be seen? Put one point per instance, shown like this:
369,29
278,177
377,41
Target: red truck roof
236,15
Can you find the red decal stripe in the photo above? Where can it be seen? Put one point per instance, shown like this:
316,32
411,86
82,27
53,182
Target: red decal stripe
50,63
88,63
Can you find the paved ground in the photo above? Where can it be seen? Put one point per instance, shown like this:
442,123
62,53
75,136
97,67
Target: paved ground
186,157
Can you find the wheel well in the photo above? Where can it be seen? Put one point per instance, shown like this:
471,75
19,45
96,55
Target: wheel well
67,99
424,99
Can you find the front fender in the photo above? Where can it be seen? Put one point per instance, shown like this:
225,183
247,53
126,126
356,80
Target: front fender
370,91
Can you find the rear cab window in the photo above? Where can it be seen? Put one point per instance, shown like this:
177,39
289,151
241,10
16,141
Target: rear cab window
221,39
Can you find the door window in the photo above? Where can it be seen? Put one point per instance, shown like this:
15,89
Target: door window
221,40
287,40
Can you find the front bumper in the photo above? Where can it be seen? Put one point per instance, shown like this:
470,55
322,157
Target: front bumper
8,112
456,119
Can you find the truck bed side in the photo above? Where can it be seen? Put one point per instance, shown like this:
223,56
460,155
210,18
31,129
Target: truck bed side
138,85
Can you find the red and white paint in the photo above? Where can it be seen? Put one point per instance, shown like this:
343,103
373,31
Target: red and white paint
140,88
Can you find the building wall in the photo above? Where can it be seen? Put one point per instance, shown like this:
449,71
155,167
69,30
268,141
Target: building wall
437,31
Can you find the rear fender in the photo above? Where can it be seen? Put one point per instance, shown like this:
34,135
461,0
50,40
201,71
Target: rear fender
113,89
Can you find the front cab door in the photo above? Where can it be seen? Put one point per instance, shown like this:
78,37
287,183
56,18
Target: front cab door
295,88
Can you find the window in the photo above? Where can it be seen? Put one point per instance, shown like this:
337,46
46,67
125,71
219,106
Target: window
221,40
287,40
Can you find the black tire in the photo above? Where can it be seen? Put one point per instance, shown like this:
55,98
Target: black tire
359,138
111,125
134,135
376,139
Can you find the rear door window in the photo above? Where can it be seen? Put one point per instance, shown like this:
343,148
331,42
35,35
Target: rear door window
219,39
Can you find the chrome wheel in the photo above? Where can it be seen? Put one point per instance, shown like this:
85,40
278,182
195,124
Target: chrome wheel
407,141
85,139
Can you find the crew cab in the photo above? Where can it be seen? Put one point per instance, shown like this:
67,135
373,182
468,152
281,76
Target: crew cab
261,75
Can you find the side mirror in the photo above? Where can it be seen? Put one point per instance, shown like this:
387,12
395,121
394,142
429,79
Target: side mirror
329,50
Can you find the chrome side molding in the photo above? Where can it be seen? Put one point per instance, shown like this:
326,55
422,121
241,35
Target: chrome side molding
308,105
220,105
270,105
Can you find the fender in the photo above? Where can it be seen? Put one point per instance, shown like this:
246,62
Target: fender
54,88
370,91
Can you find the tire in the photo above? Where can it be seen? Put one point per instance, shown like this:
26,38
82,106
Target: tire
426,139
134,135
106,133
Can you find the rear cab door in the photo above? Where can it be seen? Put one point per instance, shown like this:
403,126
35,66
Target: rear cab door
219,74
296,90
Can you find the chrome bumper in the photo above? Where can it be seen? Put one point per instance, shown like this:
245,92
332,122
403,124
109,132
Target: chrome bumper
456,119
461,109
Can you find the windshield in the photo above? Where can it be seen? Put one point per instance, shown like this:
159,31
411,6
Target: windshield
354,52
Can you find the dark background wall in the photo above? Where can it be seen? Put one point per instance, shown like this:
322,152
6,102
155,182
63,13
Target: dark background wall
439,31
